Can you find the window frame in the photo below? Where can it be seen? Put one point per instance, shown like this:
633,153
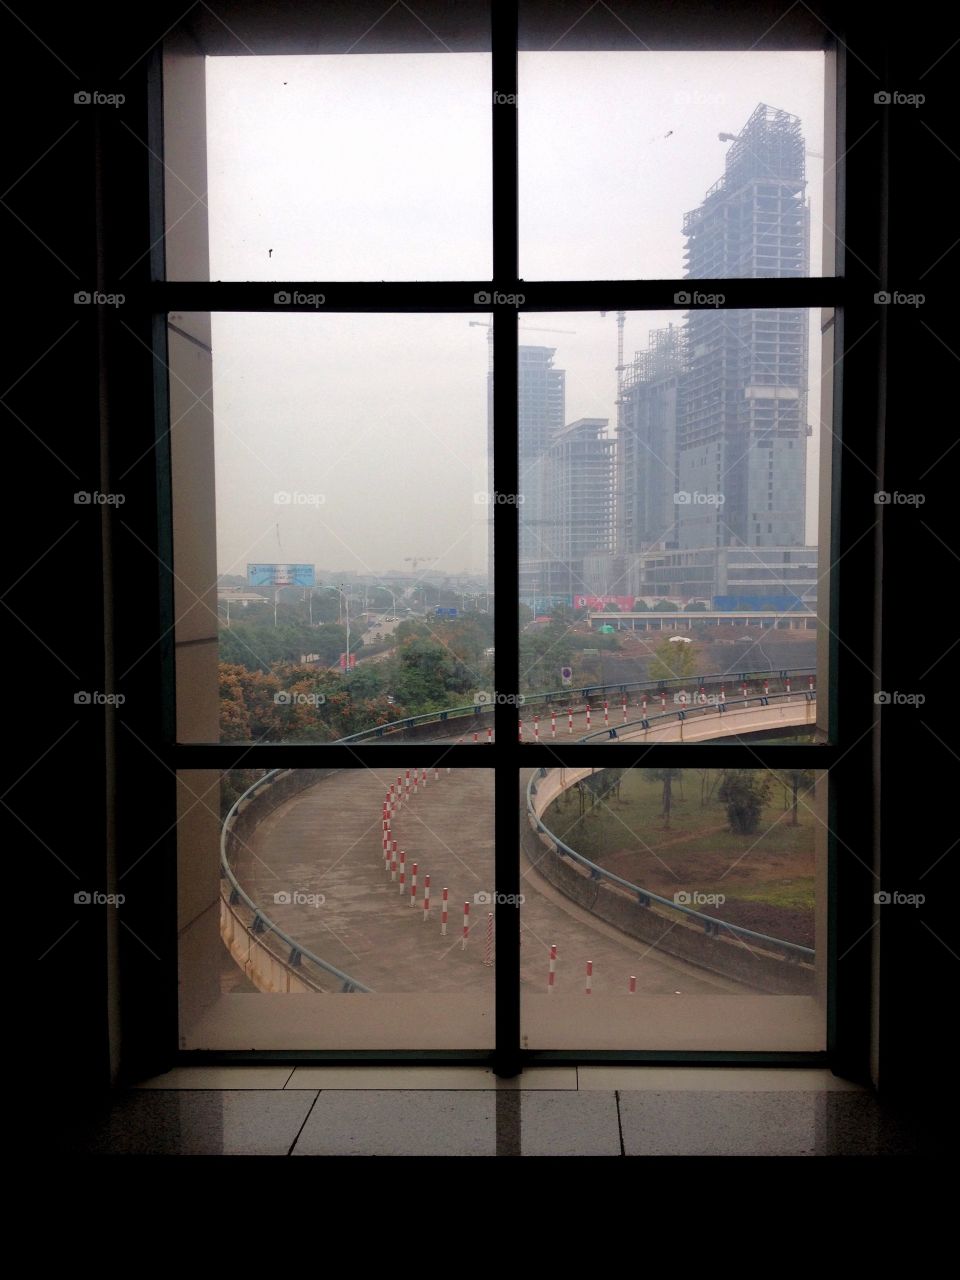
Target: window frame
151,1038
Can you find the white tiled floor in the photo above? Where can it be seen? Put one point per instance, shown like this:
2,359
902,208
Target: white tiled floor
660,1079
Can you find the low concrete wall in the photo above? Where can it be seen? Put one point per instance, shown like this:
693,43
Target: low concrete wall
267,970
668,930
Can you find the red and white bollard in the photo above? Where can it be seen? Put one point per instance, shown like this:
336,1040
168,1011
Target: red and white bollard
474,739
403,869
426,895
466,926
588,715
552,971
393,861
413,885
743,689
443,913
488,941
408,782
606,715
723,694
683,700
588,988
489,735
536,728
766,688
643,707
414,782
624,710
553,724
788,685
663,701
521,730
436,774
569,722
810,683
632,987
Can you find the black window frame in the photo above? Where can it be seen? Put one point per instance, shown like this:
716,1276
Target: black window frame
150,1024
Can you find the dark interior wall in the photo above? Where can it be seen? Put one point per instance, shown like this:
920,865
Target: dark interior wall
80,583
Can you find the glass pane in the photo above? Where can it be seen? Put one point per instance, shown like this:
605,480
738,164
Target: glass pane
332,497
669,580
367,167
658,165
344,888
688,904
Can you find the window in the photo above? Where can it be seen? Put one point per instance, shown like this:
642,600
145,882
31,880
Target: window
190,302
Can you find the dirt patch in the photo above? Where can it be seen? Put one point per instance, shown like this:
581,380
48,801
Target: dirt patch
664,871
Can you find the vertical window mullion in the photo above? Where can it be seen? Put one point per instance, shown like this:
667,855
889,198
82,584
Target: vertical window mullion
505,518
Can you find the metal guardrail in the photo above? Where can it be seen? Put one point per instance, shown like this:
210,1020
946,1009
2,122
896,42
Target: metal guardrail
428,717
613,732
560,695
790,950
659,686
261,922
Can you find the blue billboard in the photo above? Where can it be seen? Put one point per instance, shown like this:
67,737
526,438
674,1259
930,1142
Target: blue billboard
281,575
772,604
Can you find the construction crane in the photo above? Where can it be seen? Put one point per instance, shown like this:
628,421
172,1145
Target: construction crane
527,328
621,321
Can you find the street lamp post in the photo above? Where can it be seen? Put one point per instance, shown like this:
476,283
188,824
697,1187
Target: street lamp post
345,613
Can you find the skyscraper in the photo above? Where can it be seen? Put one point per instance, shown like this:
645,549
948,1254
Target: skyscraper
741,439
578,502
647,444
540,408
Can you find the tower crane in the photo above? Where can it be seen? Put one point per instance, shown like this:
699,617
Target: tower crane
621,321
527,328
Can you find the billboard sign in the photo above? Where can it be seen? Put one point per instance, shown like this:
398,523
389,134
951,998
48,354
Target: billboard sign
281,575
596,603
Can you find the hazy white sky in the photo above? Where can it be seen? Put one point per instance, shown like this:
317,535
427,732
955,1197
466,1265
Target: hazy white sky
377,167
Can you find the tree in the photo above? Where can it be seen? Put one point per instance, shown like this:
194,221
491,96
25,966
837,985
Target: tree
797,780
695,606
744,792
602,782
525,614
666,777
673,661
640,606
665,606
611,607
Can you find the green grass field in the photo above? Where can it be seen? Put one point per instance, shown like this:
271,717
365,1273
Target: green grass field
767,878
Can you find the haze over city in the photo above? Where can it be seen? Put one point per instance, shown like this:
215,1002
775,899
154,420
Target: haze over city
377,422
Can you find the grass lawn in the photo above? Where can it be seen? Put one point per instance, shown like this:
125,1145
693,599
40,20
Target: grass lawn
767,878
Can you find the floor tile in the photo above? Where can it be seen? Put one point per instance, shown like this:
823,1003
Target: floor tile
757,1124
412,1122
219,1078
196,1122
569,1124
406,1077
714,1079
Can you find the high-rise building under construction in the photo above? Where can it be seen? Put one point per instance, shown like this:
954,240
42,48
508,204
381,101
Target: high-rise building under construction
742,411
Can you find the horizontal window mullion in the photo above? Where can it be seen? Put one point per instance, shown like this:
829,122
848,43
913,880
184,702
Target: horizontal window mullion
636,755
380,758
320,297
